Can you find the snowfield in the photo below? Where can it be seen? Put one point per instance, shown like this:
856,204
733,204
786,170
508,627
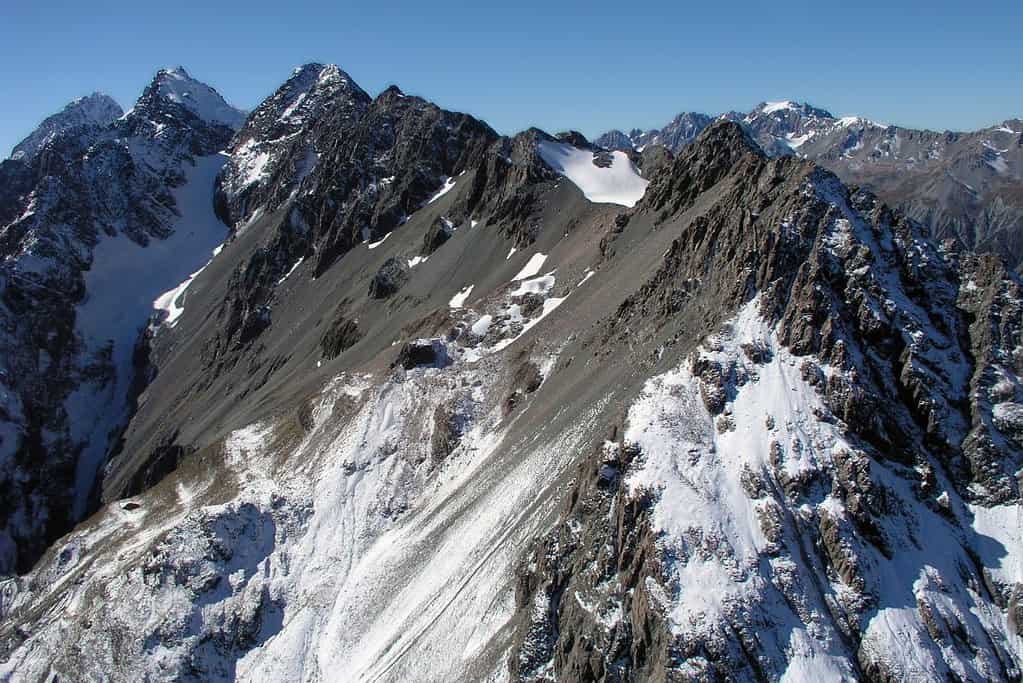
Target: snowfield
620,183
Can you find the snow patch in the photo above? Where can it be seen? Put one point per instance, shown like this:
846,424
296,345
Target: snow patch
458,300
772,107
291,270
482,326
374,245
124,285
447,186
532,266
619,183
539,285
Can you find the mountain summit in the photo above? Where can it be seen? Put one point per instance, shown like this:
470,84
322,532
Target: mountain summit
174,87
96,109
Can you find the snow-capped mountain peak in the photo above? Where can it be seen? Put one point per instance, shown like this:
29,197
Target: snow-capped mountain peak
798,108
175,86
278,133
95,109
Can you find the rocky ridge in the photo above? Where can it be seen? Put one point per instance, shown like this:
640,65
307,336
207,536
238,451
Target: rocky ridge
430,412
828,433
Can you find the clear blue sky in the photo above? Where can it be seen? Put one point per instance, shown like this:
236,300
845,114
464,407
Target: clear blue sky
588,66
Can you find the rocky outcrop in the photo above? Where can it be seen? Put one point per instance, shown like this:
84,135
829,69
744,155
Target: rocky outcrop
507,184
343,334
391,277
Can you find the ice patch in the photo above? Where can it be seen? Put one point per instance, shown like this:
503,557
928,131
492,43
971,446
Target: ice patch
171,303
291,270
620,183
374,245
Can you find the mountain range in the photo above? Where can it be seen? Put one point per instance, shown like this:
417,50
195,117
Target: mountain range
963,186
352,387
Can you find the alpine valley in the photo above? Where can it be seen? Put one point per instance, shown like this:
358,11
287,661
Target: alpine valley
353,388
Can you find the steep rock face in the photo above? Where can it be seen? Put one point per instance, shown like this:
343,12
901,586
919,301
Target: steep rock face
507,184
831,431
283,138
340,170
96,109
963,185
843,421
92,208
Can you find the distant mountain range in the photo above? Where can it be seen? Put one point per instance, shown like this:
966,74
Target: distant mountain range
963,185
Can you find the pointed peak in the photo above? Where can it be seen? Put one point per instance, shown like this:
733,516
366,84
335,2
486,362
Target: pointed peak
95,99
617,140
726,134
331,73
175,85
177,72
314,75
96,109
306,70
